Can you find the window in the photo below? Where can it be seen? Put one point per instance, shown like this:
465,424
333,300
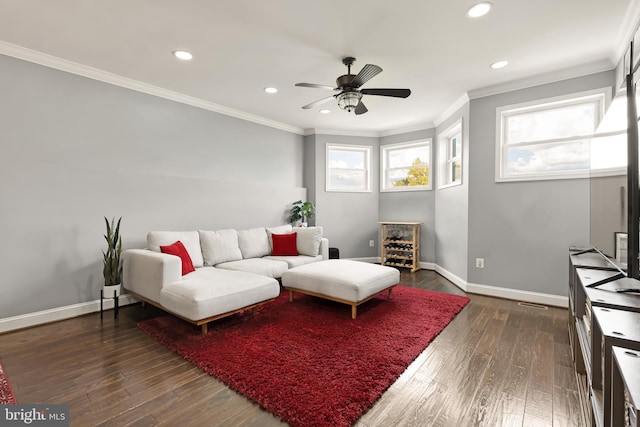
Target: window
609,144
450,149
548,139
407,166
348,168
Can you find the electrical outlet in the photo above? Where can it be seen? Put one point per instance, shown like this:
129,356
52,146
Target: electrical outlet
371,243
479,262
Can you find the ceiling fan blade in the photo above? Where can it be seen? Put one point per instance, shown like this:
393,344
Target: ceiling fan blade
360,108
316,86
396,93
367,73
318,102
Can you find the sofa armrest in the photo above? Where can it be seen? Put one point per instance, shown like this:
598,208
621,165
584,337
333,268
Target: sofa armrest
145,272
324,248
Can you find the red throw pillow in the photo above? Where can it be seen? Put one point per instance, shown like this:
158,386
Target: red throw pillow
284,244
179,250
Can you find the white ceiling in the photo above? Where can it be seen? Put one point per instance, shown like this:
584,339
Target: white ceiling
240,47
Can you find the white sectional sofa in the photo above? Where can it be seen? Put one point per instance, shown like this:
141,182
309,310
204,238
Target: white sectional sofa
234,270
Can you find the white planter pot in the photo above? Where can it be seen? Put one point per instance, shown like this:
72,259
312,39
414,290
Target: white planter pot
108,290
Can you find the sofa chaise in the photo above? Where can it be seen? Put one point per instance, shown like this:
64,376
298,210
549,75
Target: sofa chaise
217,273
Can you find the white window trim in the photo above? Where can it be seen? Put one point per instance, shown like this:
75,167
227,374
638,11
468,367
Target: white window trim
443,154
383,166
603,95
366,149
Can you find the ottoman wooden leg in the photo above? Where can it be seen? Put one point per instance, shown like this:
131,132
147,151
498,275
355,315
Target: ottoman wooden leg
391,293
290,296
354,311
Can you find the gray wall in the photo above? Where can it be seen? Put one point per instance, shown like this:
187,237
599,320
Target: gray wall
74,150
523,229
413,205
452,208
349,220
608,197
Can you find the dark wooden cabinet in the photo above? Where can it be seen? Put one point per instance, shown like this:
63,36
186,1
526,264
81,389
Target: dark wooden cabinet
625,387
599,319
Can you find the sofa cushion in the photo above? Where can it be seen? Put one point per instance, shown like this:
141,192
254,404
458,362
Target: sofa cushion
262,266
179,250
254,242
308,240
284,244
190,240
281,229
295,261
210,291
219,246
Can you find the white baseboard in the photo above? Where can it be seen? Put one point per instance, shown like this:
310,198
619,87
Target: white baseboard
519,295
458,281
506,293
75,310
59,313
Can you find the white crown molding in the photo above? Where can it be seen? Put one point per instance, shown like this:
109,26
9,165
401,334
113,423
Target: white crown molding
569,73
627,31
317,131
458,103
60,313
370,134
411,128
50,61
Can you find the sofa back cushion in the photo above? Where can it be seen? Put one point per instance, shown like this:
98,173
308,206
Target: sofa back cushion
190,240
281,229
254,243
308,240
219,246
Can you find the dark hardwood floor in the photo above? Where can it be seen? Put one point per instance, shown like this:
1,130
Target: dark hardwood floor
496,364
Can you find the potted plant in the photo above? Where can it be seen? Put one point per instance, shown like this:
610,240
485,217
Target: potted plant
301,211
112,269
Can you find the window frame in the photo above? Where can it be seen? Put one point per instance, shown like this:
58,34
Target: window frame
599,96
365,150
398,146
445,180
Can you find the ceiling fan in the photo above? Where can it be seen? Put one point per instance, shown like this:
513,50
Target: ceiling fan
348,85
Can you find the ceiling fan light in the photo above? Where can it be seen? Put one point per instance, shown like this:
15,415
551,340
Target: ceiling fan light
348,101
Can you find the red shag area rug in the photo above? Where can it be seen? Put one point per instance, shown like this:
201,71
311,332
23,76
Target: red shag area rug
6,394
308,362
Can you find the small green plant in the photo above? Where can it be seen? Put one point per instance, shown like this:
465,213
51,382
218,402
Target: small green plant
112,270
302,210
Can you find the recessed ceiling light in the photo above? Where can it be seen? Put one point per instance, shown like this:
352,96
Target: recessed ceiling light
479,9
270,90
499,64
182,54
325,111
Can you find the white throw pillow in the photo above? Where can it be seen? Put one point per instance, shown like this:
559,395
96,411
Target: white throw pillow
190,240
254,243
308,240
281,229
219,246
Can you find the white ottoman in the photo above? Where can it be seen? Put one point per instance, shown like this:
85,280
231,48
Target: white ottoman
345,281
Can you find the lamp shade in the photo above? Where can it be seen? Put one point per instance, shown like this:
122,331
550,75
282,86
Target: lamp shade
349,100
